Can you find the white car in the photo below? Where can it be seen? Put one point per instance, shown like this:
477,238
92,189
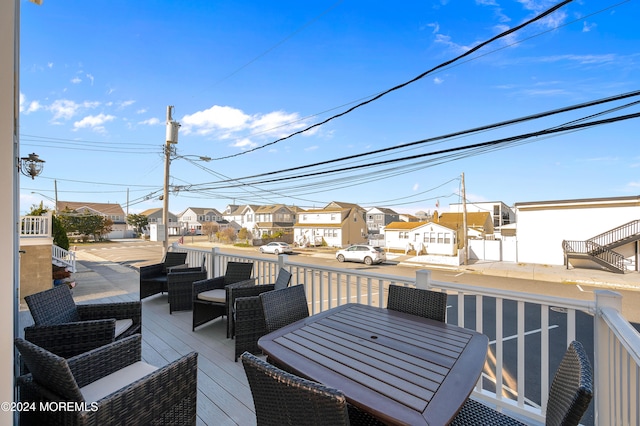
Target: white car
276,248
362,253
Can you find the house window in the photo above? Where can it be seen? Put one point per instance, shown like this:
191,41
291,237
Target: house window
447,238
440,238
432,237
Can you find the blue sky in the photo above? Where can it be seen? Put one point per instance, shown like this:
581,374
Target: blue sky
96,79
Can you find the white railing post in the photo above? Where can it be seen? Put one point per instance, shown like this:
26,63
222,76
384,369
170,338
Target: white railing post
216,262
602,357
282,260
423,279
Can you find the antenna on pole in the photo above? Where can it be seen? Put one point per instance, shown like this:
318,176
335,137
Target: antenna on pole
464,222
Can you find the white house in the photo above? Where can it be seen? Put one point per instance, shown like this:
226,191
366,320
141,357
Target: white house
500,212
336,225
423,237
244,216
542,226
192,219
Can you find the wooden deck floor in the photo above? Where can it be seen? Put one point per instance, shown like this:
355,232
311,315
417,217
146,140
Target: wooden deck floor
224,397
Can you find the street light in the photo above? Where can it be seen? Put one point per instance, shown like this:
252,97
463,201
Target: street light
55,205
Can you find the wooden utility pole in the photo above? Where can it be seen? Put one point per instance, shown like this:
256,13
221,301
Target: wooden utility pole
465,235
171,138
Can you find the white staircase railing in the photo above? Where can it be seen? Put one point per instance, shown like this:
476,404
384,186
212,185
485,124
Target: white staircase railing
62,257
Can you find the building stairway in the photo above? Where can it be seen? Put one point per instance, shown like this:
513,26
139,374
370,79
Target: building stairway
599,249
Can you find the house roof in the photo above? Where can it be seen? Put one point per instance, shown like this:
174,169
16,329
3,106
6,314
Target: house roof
455,220
402,226
102,208
149,212
382,210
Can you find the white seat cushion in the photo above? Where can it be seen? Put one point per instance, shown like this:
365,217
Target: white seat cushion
113,382
217,295
123,325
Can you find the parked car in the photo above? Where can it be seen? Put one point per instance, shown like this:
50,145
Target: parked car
362,253
276,248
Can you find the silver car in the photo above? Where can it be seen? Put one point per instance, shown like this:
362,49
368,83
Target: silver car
361,253
276,248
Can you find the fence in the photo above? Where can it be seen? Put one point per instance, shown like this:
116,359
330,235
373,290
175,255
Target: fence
528,332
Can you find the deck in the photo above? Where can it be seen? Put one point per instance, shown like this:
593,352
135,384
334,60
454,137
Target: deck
224,397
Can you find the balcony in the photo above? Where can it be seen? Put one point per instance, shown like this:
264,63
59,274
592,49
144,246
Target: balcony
533,332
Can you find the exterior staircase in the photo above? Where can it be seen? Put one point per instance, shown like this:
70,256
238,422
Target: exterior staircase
599,249
64,258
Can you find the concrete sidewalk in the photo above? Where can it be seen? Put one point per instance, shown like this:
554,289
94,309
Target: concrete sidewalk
548,273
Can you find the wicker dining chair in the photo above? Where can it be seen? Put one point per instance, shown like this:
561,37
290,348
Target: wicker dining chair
281,398
209,297
417,301
66,329
283,307
248,317
569,396
110,385
153,278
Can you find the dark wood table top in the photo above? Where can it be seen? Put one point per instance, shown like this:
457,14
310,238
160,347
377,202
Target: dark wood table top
401,368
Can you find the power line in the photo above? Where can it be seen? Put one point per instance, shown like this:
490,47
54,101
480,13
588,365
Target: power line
419,77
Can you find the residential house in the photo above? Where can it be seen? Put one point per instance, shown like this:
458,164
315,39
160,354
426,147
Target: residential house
274,218
154,217
425,238
406,217
192,219
243,216
612,223
479,224
501,213
111,211
336,225
379,217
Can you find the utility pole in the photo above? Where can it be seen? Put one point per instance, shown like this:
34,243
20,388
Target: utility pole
55,188
465,235
171,138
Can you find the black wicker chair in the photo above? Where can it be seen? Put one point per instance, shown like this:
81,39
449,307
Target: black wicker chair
180,287
281,398
248,319
210,298
283,307
107,386
67,329
416,301
569,396
153,278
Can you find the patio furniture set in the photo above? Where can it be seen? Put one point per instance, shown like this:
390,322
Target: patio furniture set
354,364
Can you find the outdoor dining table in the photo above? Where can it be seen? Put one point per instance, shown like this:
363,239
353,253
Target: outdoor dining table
401,368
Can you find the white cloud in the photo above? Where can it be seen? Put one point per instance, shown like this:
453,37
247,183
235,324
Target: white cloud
150,122
312,148
63,108
225,122
416,186
438,80
76,80
90,77
141,111
245,143
94,122
124,104
50,64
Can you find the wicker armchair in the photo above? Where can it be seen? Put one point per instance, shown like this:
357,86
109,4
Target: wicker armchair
153,278
107,386
67,329
248,319
281,398
180,287
210,297
283,307
569,396
416,301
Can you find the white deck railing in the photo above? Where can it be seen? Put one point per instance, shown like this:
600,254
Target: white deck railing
528,332
35,226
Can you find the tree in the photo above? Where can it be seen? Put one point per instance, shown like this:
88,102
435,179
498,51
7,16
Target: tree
227,234
57,228
210,229
86,224
138,221
244,234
